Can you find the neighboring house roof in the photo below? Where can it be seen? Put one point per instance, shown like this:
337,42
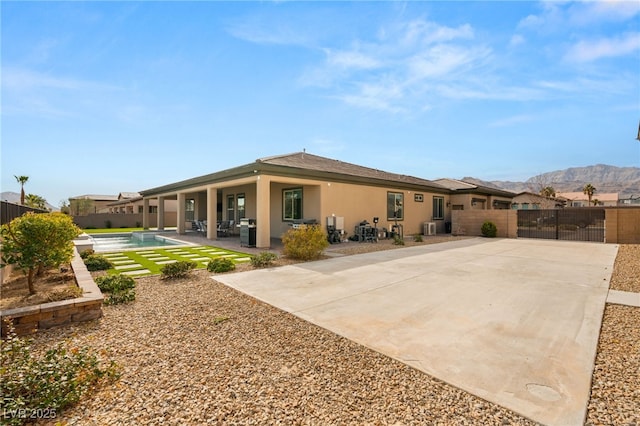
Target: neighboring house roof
128,195
305,165
581,196
126,201
95,197
455,184
461,186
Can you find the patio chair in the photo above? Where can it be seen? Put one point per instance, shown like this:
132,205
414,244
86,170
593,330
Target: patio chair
223,229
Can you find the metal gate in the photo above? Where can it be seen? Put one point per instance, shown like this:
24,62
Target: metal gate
574,224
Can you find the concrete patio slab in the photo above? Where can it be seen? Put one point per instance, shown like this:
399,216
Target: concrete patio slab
512,321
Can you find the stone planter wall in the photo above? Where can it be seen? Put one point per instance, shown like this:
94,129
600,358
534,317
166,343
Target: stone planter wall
29,319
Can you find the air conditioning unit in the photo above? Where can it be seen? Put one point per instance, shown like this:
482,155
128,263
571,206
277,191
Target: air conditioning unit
429,228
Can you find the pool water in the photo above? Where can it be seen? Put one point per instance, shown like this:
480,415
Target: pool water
116,242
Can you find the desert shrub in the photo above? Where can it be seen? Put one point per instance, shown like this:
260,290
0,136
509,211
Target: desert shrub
263,259
86,253
221,264
35,242
304,243
397,240
43,385
120,288
489,229
97,262
179,269
417,238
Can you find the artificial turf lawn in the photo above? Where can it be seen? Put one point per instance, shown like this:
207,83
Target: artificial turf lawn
137,256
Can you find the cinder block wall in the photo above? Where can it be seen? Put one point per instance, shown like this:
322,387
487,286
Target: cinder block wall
622,225
119,220
470,222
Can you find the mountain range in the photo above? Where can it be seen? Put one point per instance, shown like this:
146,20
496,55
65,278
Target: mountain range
606,179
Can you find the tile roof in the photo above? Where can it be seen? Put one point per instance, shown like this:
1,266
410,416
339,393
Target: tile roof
95,197
306,161
581,196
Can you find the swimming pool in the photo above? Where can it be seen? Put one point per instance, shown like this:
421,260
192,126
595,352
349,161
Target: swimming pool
130,240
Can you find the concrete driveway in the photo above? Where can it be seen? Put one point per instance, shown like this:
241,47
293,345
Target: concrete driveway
513,321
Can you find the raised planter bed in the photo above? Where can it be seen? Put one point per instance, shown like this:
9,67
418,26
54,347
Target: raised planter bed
29,319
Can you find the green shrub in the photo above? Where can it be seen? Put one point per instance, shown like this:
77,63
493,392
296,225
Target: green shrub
489,229
304,243
35,242
417,238
48,383
97,262
108,224
221,264
86,253
263,259
179,269
120,288
397,240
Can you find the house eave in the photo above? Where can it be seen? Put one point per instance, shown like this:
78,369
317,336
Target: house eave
258,168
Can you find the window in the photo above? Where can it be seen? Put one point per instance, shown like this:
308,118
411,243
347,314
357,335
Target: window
190,207
395,202
292,204
241,211
140,209
438,207
231,207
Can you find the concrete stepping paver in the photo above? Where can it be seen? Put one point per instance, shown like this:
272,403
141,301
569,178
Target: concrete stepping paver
123,262
164,262
137,272
110,255
131,266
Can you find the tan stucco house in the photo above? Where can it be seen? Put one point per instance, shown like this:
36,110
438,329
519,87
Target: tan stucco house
469,196
580,199
132,203
281,191
532,201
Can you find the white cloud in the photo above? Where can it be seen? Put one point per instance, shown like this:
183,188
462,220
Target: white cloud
557,16
25,79
350,59
587,13
403,60
516,40
591,50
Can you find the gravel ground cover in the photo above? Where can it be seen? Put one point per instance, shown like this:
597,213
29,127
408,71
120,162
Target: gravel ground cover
195,352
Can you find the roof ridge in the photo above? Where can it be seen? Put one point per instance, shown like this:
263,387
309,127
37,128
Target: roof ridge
273,157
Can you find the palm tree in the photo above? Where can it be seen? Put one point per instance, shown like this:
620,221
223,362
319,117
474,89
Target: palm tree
35,201
589,190
548,192
21,180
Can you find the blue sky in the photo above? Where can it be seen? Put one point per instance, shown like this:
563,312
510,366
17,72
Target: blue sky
105,97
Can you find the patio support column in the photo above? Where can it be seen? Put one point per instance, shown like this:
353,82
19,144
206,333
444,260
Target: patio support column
263,212
212,214
181,207
145,213
160,213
